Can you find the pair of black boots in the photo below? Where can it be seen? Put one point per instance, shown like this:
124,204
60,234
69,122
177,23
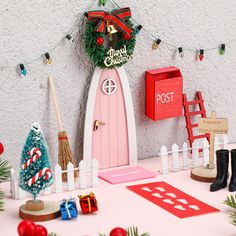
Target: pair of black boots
222,163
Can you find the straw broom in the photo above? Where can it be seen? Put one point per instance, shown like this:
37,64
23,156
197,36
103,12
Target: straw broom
64,151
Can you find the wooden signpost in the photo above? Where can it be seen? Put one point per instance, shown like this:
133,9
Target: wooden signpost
212,126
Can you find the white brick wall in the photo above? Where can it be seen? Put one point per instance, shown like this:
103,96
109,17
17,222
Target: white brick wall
30,28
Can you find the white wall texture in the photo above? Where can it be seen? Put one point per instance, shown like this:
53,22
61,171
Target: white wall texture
30,28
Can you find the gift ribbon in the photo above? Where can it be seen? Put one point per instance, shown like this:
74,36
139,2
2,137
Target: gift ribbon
67,209
89,204
91,195
67,205
116,17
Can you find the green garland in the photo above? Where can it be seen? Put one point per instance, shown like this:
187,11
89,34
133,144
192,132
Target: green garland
231,202
98,53
4,176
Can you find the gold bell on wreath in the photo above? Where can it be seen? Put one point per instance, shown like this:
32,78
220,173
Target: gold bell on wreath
111,29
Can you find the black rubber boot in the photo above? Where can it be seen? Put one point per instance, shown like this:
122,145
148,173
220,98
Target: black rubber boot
232,184
222,163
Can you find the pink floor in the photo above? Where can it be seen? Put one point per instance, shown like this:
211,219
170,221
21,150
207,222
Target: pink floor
120,207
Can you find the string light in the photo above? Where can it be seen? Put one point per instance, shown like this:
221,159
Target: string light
102,2
48,59
201,54
156,44
70,38
23,71
165,42
89,6
222,49
137,30
181,52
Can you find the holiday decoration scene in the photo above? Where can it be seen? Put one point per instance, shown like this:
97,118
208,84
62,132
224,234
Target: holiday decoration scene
117,118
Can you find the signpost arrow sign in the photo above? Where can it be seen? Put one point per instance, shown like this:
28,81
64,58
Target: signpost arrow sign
213,126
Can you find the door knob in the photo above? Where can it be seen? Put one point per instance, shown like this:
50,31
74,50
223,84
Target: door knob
97,123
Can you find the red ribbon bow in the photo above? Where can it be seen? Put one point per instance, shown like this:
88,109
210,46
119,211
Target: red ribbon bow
116,17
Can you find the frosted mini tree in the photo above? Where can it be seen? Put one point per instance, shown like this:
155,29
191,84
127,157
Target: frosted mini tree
35,169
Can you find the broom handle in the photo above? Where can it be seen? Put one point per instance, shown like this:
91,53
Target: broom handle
55,102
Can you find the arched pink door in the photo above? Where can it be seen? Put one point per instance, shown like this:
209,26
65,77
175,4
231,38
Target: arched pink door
110,135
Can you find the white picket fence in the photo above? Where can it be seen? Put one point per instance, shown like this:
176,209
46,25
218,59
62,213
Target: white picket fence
88,177
173,161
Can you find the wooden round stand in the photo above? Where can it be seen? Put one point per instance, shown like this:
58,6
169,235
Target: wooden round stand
34,205
39,211
203,174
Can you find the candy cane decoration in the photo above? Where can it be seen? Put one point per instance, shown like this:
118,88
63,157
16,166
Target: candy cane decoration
45,171
34,154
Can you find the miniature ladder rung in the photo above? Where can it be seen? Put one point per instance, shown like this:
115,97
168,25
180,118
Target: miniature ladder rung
200,136
188,114
190,103
194,113
192,126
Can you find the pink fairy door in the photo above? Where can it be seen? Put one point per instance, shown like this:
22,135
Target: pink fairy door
110,135
109,131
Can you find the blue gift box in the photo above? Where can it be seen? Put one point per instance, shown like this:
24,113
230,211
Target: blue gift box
68,209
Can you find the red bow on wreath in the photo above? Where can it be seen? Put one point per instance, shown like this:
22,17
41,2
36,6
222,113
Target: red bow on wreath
116,17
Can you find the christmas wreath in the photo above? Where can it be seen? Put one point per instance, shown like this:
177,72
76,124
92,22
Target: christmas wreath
120,46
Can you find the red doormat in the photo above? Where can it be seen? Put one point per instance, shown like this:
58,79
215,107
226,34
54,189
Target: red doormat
172,199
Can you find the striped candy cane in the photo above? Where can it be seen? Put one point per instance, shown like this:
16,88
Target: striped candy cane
45,171
34,154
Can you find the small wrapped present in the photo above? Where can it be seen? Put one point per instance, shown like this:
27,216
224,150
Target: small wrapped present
88,203
68,209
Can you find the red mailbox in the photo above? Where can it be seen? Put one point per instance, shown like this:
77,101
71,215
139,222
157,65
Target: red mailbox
164,89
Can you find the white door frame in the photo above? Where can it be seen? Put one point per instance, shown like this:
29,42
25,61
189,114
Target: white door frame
89,116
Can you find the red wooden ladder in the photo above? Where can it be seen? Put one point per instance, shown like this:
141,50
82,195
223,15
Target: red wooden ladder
188,114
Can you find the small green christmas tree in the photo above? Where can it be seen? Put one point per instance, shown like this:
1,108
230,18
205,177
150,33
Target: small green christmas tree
35,169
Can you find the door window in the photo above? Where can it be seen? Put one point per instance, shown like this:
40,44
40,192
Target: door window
109,86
